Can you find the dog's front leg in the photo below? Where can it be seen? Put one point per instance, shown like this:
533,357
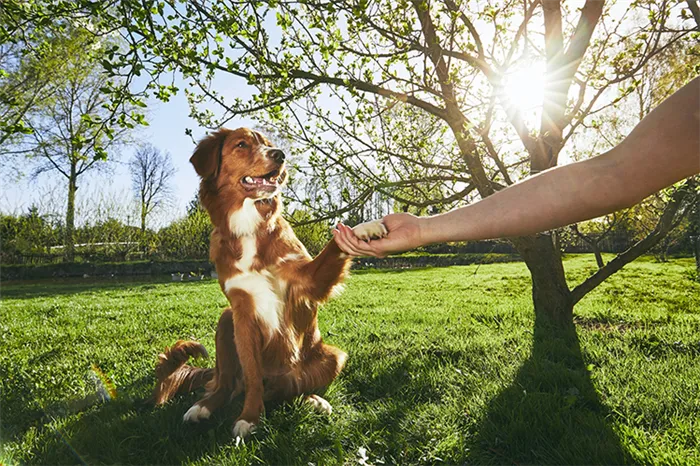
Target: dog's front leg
325,271
248,340
329,268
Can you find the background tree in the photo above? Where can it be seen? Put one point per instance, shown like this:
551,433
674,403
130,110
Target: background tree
151,176
31,66
71,131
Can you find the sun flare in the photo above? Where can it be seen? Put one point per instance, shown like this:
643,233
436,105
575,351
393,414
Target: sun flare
524,87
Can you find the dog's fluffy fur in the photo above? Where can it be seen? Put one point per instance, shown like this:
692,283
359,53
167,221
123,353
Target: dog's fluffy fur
268,344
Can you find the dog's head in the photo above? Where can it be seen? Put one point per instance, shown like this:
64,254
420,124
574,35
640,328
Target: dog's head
241,161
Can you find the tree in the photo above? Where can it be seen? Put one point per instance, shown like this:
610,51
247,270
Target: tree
594,232
151,175
71,131
31,65
695,11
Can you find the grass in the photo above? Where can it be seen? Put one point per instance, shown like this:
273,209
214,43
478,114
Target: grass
446,365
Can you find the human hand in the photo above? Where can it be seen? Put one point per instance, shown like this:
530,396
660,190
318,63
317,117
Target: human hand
404,233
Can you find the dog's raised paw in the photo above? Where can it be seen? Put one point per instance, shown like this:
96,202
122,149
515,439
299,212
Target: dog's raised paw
319,404
370,230
196,413
242,429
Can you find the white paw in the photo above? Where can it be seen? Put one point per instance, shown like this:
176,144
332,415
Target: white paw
196,413
319,404
242,429
370,230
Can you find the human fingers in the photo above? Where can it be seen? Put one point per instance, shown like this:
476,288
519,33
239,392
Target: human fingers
355,243
345,242
366,248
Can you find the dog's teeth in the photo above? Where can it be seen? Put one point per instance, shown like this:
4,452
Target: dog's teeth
248,179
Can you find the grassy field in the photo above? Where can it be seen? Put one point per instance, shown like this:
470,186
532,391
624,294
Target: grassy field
446,366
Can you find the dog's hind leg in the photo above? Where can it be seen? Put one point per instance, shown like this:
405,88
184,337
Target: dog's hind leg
226,383
316,372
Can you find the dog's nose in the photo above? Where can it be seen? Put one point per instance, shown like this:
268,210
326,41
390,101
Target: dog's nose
277,155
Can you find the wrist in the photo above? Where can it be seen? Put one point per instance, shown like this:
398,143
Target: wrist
427,231
449,226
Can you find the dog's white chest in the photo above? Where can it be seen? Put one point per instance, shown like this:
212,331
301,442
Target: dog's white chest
266,290
267,296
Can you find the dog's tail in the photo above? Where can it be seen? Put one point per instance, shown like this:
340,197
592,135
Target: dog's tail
174,376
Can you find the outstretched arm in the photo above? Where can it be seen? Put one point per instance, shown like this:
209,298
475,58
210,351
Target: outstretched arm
662,149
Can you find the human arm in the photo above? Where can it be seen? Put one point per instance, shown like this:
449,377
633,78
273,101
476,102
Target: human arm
662,149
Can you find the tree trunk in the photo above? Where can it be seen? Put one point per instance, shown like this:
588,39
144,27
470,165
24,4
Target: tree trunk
550,293
68,243
143,217
693,7
697,255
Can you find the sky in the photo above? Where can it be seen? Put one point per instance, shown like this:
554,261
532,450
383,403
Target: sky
166,131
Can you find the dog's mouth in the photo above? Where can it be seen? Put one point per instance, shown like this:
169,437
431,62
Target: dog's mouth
269,182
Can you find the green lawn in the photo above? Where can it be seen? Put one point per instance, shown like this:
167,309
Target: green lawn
446,365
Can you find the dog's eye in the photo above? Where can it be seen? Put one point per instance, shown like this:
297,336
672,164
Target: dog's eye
241,144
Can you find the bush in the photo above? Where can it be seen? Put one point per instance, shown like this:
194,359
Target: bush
314,236
186,238
28,234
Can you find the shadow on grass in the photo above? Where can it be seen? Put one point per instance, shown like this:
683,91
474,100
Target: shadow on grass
127,432
551,413
124,431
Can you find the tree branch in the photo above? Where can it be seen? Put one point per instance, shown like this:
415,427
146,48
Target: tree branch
682,200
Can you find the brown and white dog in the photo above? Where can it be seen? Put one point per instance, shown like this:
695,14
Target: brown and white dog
268,344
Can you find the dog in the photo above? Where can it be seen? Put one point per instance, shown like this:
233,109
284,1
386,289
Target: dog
268,344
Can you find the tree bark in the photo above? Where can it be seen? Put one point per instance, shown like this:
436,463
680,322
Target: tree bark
695,10
550,293
68,242
598,255
143,217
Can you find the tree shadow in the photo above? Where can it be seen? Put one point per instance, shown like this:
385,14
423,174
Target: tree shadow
127,432
551,412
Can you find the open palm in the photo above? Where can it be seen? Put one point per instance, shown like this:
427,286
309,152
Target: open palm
404,234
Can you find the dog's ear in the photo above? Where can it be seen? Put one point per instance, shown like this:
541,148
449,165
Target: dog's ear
207,156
